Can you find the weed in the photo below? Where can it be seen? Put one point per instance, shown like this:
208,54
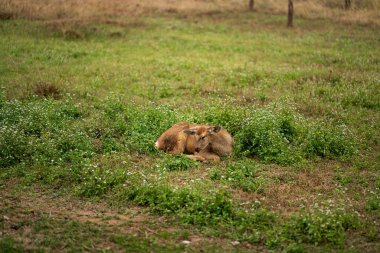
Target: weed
8,244
242,78
373,203
230,117
191,206
14,146
320,226
282,136
372,233
294,248
136,127
270,135
377,183
145,126
73,235
329,141
96,180
37,130
343,180
242,175
177,162
137,244
47,90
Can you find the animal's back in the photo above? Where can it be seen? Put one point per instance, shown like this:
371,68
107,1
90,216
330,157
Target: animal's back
169,140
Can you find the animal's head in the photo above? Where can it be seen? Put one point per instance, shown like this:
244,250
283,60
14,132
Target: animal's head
202,135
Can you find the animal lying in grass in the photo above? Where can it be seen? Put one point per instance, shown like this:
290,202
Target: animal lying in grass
201,142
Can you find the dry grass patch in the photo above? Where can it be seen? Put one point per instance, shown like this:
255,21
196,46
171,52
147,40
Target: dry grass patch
289,191
25,218
363,12
95,9
38,201
47,90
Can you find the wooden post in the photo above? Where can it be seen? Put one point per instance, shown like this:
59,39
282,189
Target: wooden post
347,4
290,13
251,5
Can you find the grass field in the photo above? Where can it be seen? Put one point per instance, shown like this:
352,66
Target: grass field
82,102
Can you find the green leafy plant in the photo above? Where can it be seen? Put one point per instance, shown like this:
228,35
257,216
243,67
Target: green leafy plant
328,141
282,136
320,226
176,162
373,203
97,180
242,175
271,135
41,129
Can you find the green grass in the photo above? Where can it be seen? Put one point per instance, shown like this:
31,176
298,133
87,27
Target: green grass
302,105
73,236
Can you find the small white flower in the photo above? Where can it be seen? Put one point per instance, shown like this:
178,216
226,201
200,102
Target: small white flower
235,243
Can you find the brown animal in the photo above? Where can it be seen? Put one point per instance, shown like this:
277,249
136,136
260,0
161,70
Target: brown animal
200,142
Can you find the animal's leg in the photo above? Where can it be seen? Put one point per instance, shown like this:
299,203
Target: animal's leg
196,158
209,156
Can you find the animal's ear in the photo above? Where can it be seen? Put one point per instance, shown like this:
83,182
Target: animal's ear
190,131
214,129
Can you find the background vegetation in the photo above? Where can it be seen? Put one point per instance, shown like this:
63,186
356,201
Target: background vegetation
87,87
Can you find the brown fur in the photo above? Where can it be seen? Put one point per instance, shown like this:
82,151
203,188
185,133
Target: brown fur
200,142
